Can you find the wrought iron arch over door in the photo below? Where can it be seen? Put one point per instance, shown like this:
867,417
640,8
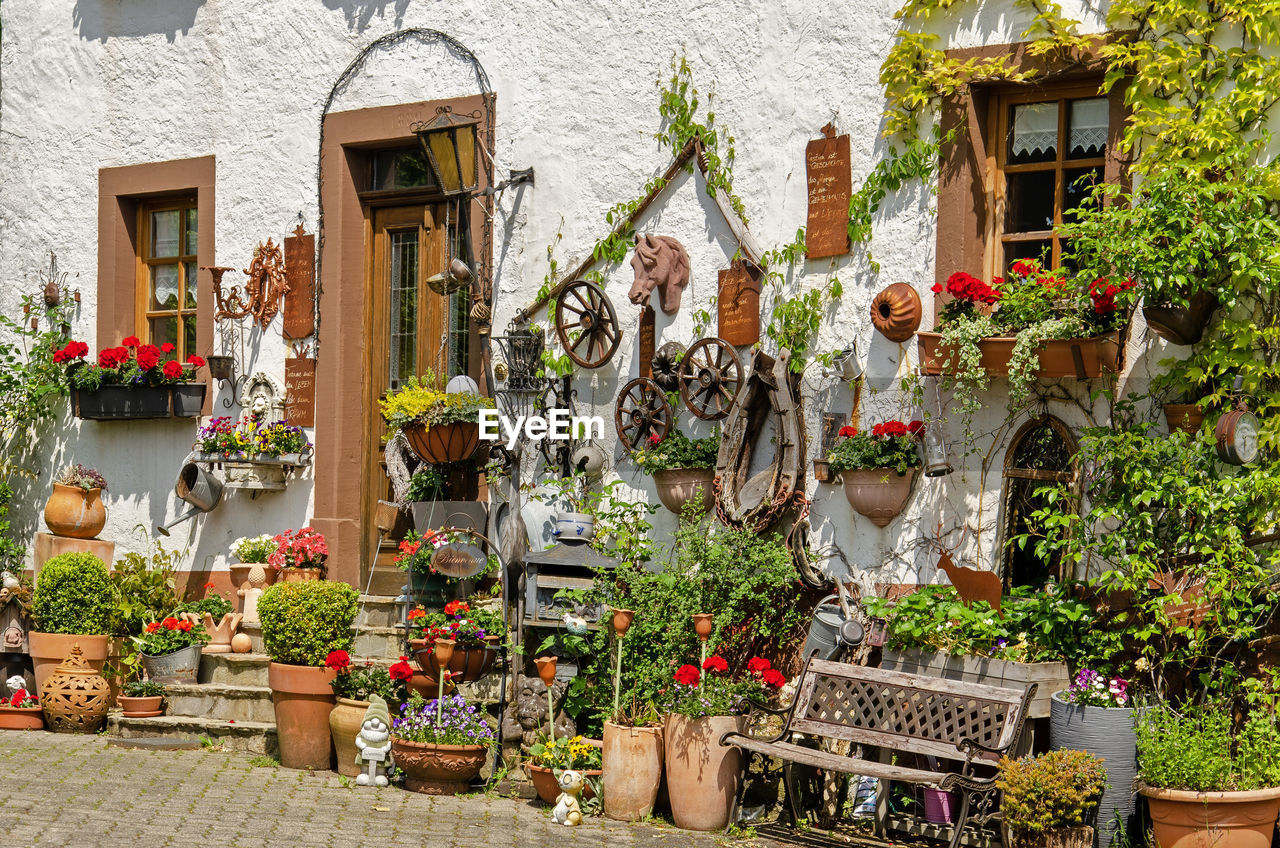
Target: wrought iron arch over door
1041,453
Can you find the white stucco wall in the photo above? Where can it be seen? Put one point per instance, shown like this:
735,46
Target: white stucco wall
88,84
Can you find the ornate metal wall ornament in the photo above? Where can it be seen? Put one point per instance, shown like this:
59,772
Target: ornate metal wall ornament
267,284
231,305
659,262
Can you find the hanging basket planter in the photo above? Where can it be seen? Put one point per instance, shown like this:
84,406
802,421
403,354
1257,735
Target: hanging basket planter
256,472
443,443
188,399
680,486
878,493
1181,325
1079,358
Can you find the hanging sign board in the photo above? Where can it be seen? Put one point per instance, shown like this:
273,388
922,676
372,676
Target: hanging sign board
300,274
648,339
458,559
300,391
738,304
830,181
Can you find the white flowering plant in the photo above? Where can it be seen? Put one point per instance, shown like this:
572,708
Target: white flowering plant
253,549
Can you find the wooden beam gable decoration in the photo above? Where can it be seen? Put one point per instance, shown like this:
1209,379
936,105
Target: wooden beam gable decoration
830,182
300,272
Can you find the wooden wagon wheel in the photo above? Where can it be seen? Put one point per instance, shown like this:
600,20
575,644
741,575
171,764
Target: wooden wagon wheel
710,377
583,309
642,411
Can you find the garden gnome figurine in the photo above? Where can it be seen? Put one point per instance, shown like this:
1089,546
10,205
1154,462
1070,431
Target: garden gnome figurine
567,810
373,745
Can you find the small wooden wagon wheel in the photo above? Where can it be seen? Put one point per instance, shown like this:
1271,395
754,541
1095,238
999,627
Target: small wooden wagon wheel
586,324
710,377
641,412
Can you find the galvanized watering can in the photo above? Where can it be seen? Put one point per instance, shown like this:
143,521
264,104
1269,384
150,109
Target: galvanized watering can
198,487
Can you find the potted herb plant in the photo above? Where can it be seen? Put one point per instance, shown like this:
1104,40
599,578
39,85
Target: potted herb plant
475,635
1047,801
303,623
300,555
21,711
548,757
707,703
440,745
75,507
682,469
1095,714
254,573
72,603
878,467
440,426
352,686
142,699
170,649
1207,780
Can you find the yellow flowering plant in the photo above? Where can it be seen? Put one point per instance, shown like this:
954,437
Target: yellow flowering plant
560,754
421,401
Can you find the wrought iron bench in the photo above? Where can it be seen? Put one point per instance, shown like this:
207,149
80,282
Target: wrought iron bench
898,713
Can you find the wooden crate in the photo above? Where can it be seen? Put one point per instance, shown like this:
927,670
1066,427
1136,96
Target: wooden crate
1049,677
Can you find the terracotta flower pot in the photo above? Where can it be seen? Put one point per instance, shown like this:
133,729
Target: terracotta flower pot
344,723
75,512
444,442
301,575
878,493
548,788
48,650
1184,819
680,486
621,621
437,769
303,700
21,718
1097,355
632,770
1186,417
1181,325
702,774
144,706
467,664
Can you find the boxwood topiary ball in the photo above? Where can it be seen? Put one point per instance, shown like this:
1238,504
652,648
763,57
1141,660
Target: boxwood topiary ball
303,622
73,594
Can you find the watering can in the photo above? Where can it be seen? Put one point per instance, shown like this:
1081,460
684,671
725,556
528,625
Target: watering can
198,487
833,627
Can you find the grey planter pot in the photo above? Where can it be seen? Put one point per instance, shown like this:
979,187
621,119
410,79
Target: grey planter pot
179,667
1106,732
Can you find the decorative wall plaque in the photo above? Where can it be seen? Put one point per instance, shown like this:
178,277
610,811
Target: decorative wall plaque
830,180
300,272
648,340
738,304
300,391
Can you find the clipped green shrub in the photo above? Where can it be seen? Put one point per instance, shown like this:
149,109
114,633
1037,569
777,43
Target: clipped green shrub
303,622
74,595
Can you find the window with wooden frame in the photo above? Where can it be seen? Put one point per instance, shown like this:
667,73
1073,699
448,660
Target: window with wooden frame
1040,454
167,268
1050,151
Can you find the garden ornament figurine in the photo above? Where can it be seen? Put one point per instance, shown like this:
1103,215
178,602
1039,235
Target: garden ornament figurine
16,684
373,745
567,810
660,262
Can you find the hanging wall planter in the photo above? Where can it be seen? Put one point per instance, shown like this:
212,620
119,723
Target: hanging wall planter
188,399
256,472
1079,358
111,403
443,443
1186,417
678,487
1181,325
878,493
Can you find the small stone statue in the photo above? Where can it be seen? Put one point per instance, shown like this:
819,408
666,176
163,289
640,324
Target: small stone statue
373,745
526,715
16,684
567,810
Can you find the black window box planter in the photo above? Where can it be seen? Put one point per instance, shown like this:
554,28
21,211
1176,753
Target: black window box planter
114,403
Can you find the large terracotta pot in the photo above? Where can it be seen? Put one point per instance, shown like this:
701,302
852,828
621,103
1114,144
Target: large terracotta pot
48,650
878,493
632,770
303,700
680,486
142,706
1105,732
1184,819
344,724
467,665
548,788
438,769
301,575
75,512
1186,417
702,774
21,718
76,697
444,442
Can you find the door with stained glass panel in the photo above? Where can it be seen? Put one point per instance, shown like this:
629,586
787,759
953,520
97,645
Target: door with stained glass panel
167,237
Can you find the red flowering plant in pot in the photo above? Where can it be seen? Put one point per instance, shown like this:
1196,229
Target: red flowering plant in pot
475,634
136,367
878,467
353,685
21,711
170,649
300,555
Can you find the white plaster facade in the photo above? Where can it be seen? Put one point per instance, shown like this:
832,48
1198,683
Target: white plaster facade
88,84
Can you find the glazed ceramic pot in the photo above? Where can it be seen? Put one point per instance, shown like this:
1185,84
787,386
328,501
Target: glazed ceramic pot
75,512
680,486
303,700
48,650
878,493
702,774
444,442
144,706
575,525
1186,417
1105,732
75,697
548,788
468,663
180,666
344,723
632,770
896,312
21,718
300,575
438,769
1184,819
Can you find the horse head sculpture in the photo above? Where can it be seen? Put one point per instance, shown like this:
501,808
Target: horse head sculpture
660,262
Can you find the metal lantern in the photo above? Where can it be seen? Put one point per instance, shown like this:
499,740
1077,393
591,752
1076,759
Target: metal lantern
449,142
937,457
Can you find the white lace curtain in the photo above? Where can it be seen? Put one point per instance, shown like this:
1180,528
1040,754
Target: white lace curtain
1035,127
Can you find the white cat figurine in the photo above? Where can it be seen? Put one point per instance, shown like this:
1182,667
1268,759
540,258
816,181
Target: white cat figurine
567,811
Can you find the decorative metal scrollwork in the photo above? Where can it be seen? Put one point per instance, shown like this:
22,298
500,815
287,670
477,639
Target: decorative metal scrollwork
710,377
642,411
587,325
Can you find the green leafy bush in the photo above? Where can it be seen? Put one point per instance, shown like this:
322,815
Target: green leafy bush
73,595
889,444
678,451
1198,749
303,622
1053,791
143,589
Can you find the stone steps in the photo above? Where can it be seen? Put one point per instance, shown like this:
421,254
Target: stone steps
221,702
253,737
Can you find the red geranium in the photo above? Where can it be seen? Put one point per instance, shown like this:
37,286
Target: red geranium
915,426
715,663
401,670
170,623
1103,293
1024,267
688,675
456,607
848,432
131,341
964,286
184,626
153,627
172,370
774,678
195,361
113,357
416,613
338,660
758,665
167,347
936,288
148,357
892,429
73,350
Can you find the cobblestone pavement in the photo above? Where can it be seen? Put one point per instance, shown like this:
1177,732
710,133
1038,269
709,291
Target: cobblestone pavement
63,790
